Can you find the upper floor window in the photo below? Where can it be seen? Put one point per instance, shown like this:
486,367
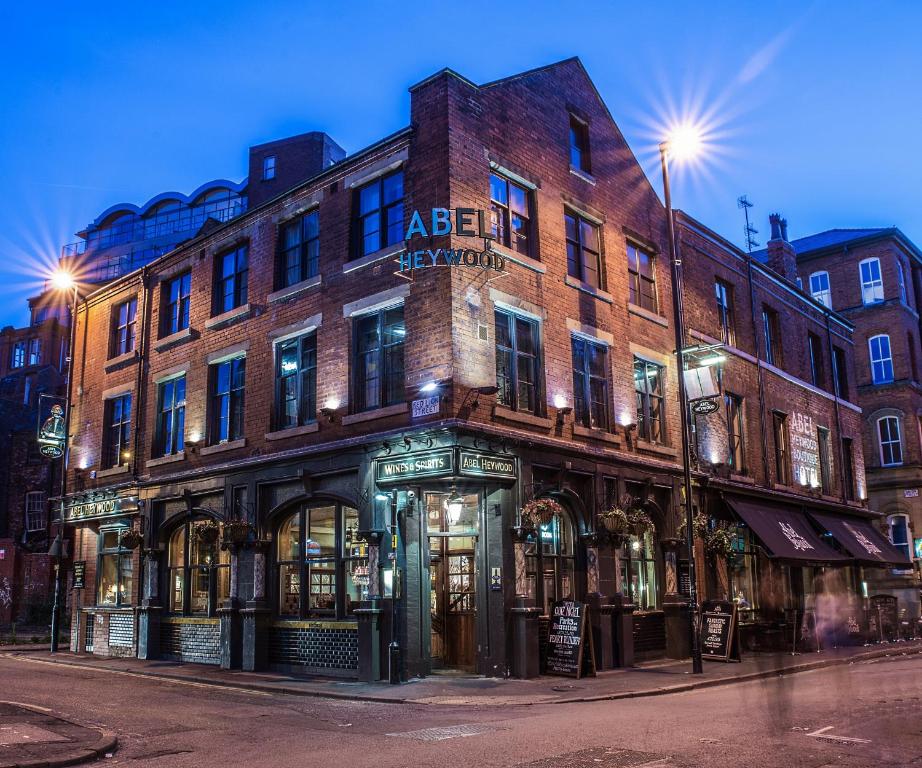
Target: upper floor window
901,280
18,356
378,377
177,294
648,387
641,278
198,571
590,383
171,416
227,400
782,449
772,332
579,144
724,293
378,217
735,432
35,351
114,569
36,511
881,359
300,249
268,167
899,533
815,349
319,564
233,270
517,362
296,381
584,253
872,284
848,468
116,440
891,445
510,214
124,327
840,372
819,288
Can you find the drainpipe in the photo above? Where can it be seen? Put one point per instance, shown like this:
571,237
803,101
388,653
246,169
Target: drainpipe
759,372
834,372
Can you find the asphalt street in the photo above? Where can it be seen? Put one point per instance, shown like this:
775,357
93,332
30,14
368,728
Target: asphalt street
862,714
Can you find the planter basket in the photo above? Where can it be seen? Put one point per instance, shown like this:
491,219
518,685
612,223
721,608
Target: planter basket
540,512
206,533
237,532
130,539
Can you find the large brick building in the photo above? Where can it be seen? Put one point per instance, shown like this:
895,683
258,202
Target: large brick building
873,277
360,402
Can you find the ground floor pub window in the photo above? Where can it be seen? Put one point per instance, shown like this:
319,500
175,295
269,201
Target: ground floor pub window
322,569
742,568
638,571
115,569
550,562
199,569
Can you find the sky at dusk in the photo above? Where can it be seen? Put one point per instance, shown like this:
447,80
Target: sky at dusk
811,109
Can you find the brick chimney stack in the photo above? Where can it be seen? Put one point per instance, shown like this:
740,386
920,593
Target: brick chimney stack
781,255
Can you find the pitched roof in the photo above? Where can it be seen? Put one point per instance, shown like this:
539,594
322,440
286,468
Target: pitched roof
830,238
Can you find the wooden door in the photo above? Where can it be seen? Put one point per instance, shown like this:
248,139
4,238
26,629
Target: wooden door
452,601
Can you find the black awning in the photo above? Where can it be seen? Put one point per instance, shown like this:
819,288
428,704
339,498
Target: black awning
784,531
861,539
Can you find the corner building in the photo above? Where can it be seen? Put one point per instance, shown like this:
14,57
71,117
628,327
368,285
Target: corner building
324,454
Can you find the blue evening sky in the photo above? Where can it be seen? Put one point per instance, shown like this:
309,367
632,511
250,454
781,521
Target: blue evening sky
812,109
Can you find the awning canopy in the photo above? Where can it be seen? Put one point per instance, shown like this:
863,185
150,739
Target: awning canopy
785,531
861,540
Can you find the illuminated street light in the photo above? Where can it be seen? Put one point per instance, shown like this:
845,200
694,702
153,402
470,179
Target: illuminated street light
685,142
63,280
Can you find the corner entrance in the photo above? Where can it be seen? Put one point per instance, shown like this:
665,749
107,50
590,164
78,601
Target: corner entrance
452,529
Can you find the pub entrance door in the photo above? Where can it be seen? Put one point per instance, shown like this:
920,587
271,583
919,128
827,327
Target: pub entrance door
452,529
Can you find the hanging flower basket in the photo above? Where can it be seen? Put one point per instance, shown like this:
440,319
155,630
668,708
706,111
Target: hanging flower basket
640,521
701,527
130,539
206,532
615,521
540,512
237,532
719,543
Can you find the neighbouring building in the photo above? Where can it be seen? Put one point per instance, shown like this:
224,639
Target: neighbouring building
312,429
873,277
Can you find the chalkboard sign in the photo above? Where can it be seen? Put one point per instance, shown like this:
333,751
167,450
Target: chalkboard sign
569,636
883,608
79,574
719,631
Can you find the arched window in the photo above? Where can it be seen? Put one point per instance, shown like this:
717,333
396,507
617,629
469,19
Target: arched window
881,359
641,579
891,446
550,561
317,548
872,284
819,288
199,570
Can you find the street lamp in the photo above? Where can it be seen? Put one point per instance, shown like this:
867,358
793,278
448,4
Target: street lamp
683,143
63,280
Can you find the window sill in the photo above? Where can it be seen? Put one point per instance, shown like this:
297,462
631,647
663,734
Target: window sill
517,258
173,457
228,317
174,339
122,469
580,173
282,434
122,360
377,413
232,445
586,288
647,315
292,291
662,450
371,258
507,414
596,434
742,478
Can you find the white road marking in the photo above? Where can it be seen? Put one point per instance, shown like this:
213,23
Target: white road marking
821,733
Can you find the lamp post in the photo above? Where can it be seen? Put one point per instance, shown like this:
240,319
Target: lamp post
63,281
679,324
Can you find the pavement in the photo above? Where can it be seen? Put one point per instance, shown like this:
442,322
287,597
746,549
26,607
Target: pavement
35,737
647,679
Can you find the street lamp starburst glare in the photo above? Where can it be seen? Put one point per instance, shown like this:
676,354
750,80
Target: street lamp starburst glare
62,280
685,142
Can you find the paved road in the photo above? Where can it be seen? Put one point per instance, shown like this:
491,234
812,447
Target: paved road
865,714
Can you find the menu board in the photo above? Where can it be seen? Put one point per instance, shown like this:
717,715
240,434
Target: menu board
569,644
883,609
719,631
79,574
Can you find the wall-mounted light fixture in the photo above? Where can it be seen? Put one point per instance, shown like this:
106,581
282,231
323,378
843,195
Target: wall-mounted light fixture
478,391
330,408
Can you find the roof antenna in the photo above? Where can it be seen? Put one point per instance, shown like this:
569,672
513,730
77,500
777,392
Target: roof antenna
749,230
